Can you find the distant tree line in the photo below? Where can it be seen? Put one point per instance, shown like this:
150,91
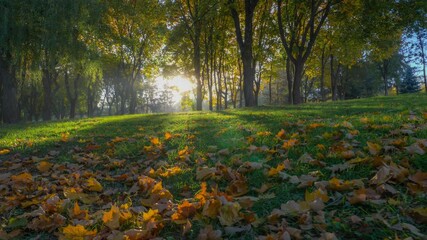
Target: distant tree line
69,58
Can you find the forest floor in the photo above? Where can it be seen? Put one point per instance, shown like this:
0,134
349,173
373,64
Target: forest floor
348,170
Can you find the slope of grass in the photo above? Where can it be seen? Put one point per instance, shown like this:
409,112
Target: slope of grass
324,131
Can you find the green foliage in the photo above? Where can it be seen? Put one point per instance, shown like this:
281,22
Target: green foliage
409,82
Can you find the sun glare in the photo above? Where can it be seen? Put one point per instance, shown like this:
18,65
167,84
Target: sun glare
182,84
179,84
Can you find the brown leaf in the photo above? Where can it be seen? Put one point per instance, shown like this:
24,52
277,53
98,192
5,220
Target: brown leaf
208,233
415,148
374,148
382,176
229,214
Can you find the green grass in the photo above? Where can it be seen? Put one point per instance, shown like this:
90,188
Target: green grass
231,129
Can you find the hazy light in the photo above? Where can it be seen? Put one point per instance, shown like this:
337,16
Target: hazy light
178,84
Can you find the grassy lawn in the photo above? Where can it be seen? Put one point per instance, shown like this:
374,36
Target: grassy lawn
352,169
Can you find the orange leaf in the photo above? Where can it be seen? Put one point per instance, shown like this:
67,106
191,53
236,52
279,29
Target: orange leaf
275,171
44,166
289,143
155,141
112,218
77,232
78,213
168,136
185,211
22,178
281,134
340,185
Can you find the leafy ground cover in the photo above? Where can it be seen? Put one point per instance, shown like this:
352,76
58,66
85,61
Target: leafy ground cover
347,170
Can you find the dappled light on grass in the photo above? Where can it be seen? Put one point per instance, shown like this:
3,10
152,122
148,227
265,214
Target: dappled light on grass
269,174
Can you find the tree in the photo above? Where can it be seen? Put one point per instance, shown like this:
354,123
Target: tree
245,42
409,82
299,24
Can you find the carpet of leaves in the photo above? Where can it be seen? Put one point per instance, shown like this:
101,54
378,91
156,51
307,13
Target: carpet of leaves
99,196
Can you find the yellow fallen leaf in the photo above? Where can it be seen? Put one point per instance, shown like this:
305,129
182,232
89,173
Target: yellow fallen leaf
4,151
64,136
151,214
94,185
77,232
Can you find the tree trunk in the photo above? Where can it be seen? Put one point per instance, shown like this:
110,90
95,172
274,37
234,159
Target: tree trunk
196,60
297,82
289,78
47,95
322,76
245,45
423,60
9,92
334,84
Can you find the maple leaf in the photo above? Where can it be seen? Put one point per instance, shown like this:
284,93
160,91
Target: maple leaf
203,173
415,148
112,218
339,185
276,170
78,213
287,144
211,208
47,223
155,141
151,215
77,232
281,134
22,178
229,213
208,233
93,185
185,210
44,166
374,148
64,136
318,194
348,154
238,188
168,136
382,176
4,151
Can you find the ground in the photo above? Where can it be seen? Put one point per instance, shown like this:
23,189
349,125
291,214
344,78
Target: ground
347,170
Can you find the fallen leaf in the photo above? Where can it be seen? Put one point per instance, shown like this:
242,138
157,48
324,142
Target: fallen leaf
4,151
44,166
77,232
374,148
93,185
